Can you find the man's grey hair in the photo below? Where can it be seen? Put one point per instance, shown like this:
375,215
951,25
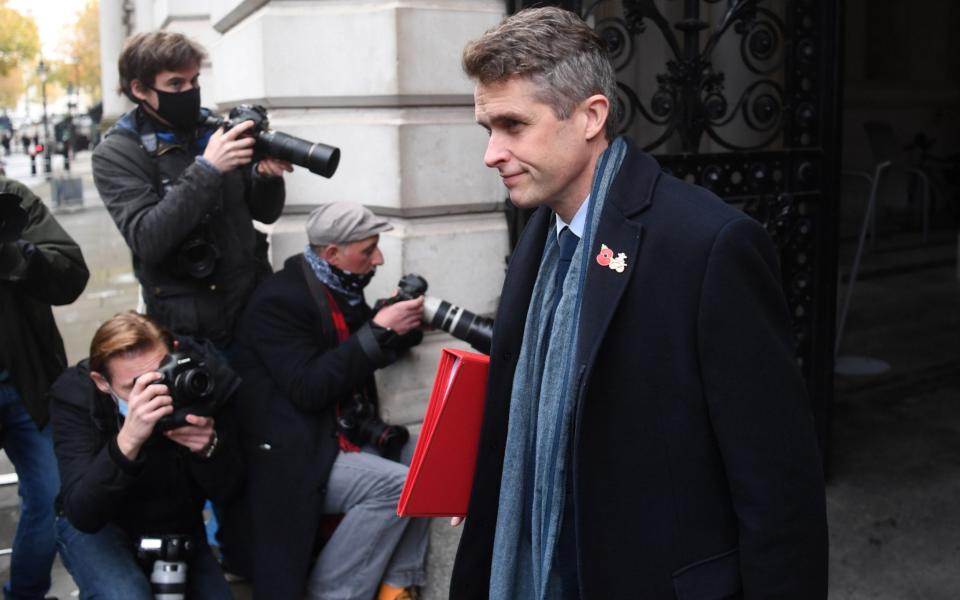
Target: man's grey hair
555,49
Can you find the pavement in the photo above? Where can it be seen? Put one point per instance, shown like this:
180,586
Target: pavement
894,460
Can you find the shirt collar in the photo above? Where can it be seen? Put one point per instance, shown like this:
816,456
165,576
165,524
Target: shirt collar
578,222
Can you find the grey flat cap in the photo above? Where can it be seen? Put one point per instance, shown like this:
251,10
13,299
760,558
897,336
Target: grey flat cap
343,222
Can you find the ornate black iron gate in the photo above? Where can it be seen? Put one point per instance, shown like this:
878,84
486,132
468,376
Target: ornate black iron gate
742,97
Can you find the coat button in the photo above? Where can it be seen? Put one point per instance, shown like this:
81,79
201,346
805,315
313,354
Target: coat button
213,286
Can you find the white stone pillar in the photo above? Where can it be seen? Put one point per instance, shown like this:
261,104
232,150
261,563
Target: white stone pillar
380,79
191,18
113,30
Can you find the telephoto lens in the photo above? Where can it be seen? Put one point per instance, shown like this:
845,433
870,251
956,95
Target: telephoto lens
459,322
168,580
316,157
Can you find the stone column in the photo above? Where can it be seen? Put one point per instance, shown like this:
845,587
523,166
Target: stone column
381,80
191,18
114,29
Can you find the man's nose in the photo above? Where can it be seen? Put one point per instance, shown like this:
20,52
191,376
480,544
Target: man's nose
496,151
377,258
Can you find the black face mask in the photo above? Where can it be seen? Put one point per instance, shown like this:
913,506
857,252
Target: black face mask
180,109
353,282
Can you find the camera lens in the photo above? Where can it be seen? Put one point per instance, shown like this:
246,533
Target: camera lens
197,383
197,257
459,322
318,158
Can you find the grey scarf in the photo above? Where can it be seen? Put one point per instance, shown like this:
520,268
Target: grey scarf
532,486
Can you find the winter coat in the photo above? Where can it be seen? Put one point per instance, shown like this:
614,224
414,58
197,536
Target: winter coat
45,267
695,467
163,200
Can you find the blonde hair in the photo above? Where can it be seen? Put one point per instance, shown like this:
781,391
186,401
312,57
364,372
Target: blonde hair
125,333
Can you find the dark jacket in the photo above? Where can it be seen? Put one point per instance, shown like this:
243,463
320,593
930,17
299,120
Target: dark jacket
45,267
695,464
294,373
164,489
160,196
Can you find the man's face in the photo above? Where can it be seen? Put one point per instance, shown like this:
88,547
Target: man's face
541,159
183,79
358,257
124,369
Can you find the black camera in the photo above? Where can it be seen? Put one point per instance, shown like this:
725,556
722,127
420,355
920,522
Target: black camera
197,257
191,387
358,421
165,558
318,158
13,218
458,322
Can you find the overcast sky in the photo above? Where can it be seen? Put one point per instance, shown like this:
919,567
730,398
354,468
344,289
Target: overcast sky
55,20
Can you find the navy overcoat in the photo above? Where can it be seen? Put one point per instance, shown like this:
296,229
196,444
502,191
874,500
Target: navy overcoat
695,461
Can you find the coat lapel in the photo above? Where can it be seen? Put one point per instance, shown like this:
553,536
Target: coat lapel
630,194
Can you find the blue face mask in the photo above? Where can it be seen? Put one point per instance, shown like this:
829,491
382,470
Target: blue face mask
121,403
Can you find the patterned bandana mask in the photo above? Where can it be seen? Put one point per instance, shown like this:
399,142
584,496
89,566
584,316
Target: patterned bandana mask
350,285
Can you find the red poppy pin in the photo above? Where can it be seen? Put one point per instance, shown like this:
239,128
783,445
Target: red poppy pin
606,259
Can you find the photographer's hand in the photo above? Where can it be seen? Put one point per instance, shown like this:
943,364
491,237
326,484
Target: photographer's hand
148,403
273,167
402,317
196,436
228,150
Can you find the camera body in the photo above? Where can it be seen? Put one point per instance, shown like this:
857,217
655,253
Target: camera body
169,547
358,421
316,157
191,386
13,218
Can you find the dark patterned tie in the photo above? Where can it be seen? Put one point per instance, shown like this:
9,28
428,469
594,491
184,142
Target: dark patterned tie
568,241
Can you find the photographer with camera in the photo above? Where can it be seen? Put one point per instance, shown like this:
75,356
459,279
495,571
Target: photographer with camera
184,193
40,266
142,438
308,346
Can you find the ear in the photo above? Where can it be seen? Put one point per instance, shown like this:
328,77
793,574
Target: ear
331,254
100,381
596,109
140,91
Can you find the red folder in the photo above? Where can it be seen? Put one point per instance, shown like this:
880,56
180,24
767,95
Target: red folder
441,472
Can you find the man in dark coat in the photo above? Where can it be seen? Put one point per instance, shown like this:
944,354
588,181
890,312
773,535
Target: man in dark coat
647,433
40,266
184,195
308,347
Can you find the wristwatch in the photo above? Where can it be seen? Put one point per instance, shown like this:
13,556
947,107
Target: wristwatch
211,447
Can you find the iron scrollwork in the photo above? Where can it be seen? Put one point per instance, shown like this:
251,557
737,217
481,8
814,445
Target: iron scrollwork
690,100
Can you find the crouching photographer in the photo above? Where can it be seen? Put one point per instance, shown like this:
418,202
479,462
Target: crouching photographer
308,347
142,437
